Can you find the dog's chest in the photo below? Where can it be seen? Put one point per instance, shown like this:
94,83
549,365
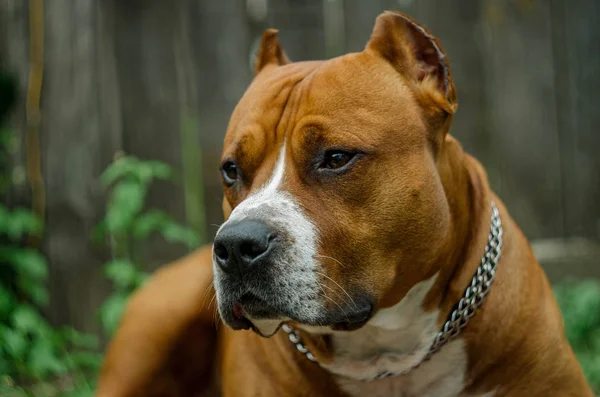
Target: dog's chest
442,376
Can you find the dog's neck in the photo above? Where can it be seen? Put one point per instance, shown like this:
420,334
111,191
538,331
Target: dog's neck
395,340
398,338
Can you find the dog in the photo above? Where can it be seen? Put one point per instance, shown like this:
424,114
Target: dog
363,254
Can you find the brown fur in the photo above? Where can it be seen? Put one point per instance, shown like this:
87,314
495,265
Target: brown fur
169,324
414,206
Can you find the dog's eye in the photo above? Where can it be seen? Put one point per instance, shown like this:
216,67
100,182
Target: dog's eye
336,159
230,172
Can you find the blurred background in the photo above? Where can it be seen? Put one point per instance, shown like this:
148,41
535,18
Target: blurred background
112,116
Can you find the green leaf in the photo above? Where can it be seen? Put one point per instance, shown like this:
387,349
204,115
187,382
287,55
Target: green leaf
159,170
30,263
175,233
119,169
78,391
111,312
34,290
148,222
580,304
18,222
6,136
4,369
99,232
126,202
7,304
156,220
43,361
8,389
80,339
131,167
79,360
27,320
14,342
121,272
142,278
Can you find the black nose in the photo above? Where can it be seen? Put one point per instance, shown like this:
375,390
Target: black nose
240,245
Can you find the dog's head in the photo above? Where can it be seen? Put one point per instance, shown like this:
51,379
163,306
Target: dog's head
333,198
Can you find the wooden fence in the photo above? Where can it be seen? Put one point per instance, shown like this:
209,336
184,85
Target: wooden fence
125,75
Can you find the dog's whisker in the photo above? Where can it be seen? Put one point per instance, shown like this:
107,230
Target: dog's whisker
332,300
332,258
342,297
208,289
327,297
340,287
216,318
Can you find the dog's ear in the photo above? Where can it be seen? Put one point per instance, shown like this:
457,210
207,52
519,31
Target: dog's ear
417,55
270,51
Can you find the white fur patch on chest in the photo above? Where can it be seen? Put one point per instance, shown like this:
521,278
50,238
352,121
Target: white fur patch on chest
395,340
442,376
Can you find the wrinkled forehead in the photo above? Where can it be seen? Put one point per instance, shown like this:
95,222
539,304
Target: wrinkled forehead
355,96
262,114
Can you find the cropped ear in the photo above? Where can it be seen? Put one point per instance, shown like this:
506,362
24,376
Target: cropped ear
417,55
270,51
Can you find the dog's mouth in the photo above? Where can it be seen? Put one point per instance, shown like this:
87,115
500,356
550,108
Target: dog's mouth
264,318
251,312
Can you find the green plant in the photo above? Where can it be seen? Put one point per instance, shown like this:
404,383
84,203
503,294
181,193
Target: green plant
126,226
32,351
580,305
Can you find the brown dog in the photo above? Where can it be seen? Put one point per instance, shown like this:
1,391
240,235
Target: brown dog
359,231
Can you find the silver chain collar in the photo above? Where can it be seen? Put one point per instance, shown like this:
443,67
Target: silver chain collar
465,309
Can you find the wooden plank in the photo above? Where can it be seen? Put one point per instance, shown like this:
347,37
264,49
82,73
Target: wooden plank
334,28
14,55
222,37
150,101
568,258
301,26
257,12
524,164
576,36
75,148
359,17
191,148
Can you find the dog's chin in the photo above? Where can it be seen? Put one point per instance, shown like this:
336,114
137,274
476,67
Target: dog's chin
269,327
250,313
266,328
264,319
263,327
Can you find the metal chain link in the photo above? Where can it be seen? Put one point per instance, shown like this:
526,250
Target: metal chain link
295,339
476,291
465,309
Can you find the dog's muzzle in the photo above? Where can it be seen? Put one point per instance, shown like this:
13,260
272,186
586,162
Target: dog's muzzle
242,245
244,252
257,281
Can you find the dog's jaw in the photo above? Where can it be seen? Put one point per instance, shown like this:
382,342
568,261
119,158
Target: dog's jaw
395,340
266,328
